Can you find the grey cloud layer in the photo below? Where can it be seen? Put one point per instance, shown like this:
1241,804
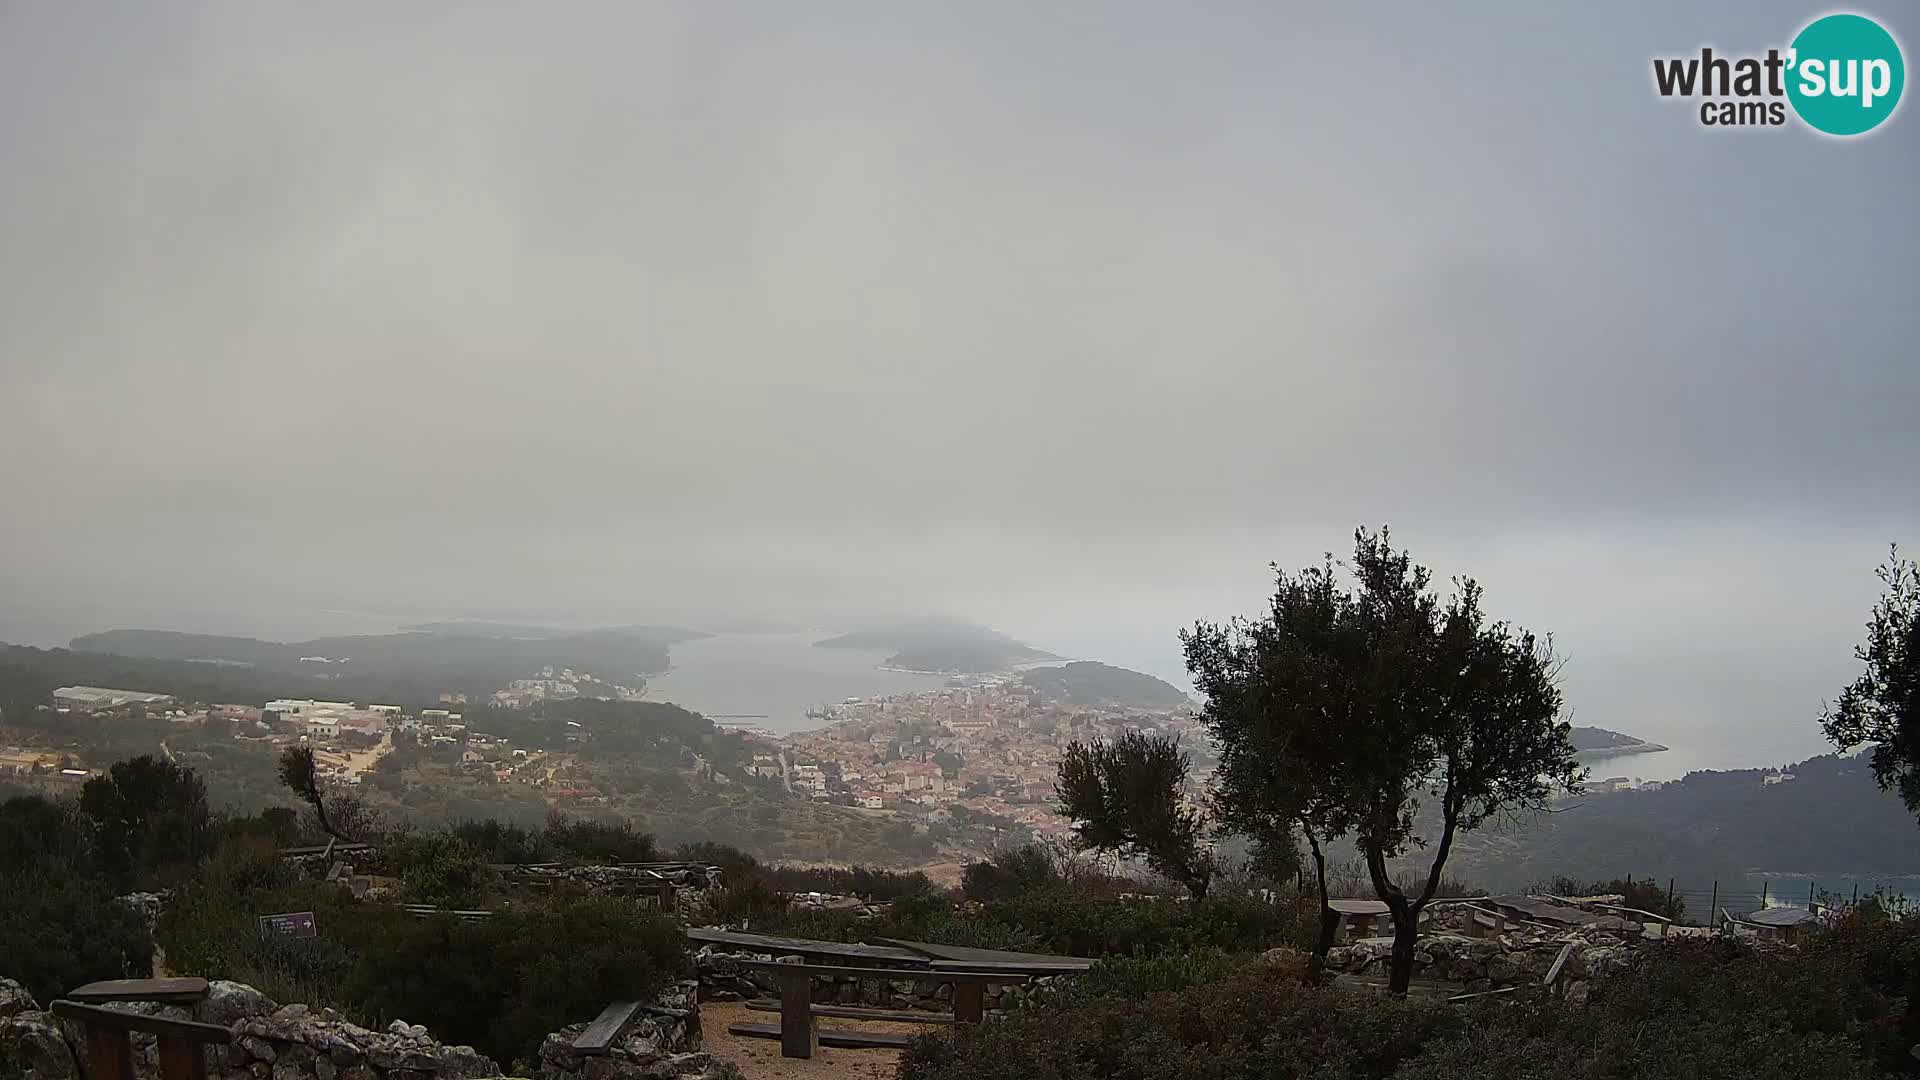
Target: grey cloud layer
1046,313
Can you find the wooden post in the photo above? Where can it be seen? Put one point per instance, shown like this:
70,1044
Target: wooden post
1713,907
799,1031
969,1001
109,1055
1669,912
181,1059
1763,894
1809,896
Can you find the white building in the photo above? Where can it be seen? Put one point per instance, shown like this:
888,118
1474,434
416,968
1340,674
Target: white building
92,698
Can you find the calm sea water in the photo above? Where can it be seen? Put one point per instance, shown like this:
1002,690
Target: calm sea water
775,678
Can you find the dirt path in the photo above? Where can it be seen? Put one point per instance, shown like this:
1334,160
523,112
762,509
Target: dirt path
760,1059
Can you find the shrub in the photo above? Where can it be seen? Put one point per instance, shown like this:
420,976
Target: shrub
1832,1010
441,868
61,929
1258,1023
502,984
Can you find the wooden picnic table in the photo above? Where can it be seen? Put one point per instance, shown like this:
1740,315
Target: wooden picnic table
799,1031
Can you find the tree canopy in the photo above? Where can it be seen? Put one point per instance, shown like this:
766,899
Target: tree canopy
1128,797
1879,707
1359,695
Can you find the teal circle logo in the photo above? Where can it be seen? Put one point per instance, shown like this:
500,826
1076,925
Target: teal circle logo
1845,74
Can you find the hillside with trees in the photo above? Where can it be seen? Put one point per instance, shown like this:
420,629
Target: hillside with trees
1088,682
940,645
463,657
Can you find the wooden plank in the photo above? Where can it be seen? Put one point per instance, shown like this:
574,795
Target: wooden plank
960,957
605,1029
109,1053
114,1020
172,990
910,974
1553,973
768,943
1484,993
855,1012
1055,967
799,1031
969,1002
182,1059
834,1037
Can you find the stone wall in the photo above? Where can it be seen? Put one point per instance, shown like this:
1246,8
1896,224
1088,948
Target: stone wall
294,1042
1519,957
664,1043
724,978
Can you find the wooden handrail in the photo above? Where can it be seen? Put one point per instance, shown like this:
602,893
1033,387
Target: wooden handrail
937,975
116,1020
182,1044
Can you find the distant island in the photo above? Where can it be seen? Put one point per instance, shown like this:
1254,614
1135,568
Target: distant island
423,661
1088,682
1596,742
941,646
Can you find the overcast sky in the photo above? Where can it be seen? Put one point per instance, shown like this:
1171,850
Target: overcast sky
1067,317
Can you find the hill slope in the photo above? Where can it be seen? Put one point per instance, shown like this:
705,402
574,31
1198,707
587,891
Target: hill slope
942,645
462,657
1087,682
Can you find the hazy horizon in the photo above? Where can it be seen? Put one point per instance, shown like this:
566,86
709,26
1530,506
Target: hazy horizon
1068,319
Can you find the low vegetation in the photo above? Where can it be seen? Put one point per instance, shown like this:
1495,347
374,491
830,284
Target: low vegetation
1836,1009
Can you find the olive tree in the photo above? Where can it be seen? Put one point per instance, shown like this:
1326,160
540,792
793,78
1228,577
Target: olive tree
1360,696
1128,797
1881,707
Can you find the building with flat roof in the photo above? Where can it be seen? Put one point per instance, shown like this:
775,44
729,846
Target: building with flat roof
94,698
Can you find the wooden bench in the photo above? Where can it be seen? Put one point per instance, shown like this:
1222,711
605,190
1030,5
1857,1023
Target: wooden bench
182,1043
855,1012
799,1032
605,1029
170,991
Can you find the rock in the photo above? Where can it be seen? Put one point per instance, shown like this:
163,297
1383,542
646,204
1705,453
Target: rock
32,1044
1339,958
227,1003
14,999
257,1047
1577,993
287,1070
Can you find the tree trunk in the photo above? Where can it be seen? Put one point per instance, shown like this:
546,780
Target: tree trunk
1329,918
1406,934
1406,922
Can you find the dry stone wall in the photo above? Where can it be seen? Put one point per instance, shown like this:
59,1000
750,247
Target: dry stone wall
294,1042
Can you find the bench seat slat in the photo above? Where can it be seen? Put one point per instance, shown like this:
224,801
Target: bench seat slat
854,1012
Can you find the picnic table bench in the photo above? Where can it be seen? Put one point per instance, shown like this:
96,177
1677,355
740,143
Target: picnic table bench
799,1031
182,1043
171,991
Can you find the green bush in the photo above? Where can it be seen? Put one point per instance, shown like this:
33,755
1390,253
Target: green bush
1260,1023
1834,1009
499,984
59,929
442,869
502,984
1133,977
1065,919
